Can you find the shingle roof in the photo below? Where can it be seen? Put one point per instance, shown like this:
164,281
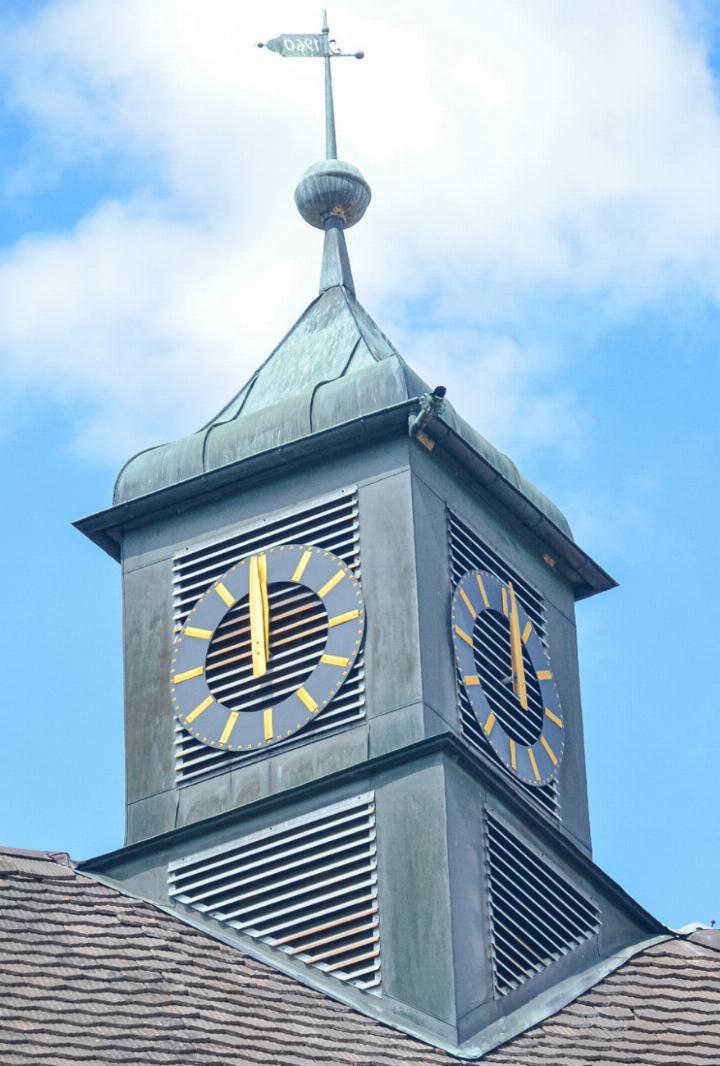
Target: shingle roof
661,1007
89,975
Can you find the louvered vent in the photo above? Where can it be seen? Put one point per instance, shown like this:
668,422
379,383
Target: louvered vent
307,887
331,523
535,915
469,552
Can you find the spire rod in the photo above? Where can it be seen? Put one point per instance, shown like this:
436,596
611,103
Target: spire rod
331,195
315,46
330,141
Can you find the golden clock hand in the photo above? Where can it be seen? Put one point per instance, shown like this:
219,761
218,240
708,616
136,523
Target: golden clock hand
518,667
259,615
262,572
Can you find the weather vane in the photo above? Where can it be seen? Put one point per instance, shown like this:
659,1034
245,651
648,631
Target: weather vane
315,46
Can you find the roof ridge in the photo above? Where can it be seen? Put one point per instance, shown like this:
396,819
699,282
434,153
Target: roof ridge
31,853
361,317
703,938
35,863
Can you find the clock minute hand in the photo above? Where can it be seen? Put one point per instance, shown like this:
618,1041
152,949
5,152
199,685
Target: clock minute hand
262,568
516,656
259,615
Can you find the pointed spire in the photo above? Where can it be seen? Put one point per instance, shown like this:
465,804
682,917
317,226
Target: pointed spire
336,261
332,195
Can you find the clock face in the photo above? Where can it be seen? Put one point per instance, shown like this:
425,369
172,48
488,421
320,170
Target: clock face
267,647
506,674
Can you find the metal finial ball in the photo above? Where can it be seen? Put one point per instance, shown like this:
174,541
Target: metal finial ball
332,189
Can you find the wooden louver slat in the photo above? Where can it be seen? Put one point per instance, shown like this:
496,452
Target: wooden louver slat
536,916
313,894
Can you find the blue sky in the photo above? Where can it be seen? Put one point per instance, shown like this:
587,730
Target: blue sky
544,238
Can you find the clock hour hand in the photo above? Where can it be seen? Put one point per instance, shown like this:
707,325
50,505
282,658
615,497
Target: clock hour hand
516,656
259,615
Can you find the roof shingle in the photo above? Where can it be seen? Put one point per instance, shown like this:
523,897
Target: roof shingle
90,975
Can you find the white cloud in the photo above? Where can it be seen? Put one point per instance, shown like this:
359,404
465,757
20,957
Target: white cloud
505,390
566,149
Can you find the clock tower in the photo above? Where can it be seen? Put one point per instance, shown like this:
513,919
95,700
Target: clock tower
352,707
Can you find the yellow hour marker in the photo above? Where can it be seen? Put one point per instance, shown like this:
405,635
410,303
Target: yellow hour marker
553,718
187,675
488,727
463,635
229,726
304,696
531,756
300,568
225,595
340,618
483,593
548,749
503,594
201,634
330,585
526,632
471,679
513,754
334,660
207,702
544,675
466,601
268,723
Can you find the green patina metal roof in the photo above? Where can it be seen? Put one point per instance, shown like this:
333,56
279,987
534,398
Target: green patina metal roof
335,365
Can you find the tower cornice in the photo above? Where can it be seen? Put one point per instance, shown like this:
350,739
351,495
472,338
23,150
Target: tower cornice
104,527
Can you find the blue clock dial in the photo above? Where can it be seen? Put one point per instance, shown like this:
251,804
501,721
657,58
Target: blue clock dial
267,647
506,673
